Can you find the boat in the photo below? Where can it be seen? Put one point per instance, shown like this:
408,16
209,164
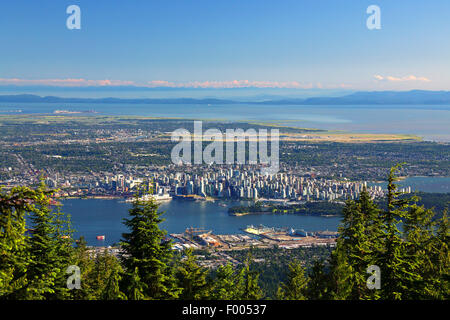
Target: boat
100,237
258,230
156,197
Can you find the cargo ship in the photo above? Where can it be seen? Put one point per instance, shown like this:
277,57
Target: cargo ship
258,230
157,197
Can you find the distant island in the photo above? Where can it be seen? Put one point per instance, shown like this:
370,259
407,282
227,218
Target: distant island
72,112
416,97
413,97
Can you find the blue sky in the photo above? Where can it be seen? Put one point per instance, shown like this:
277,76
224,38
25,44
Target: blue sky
290,44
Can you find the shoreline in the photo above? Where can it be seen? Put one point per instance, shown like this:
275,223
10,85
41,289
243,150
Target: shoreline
241,214
93,197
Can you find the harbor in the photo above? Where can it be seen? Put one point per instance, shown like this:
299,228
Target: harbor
257,237
93,217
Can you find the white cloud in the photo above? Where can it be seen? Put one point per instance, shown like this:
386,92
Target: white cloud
230,84
70,82
80,82
401,79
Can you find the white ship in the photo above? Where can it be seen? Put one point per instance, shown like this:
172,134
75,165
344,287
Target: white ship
157,197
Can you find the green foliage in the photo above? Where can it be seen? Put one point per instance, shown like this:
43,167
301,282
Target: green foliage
135,287
224,284
393,261
13,245
295,287
272,263
247,282
45,265
316,208
440,260
406,240
111,289
235,284
341,278
319,281
145,247
191,278
358,246
33,266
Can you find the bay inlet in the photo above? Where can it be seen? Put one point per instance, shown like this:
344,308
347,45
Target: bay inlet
93,217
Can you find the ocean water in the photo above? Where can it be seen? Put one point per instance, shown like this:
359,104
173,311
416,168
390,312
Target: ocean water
93,217
429,122
425,184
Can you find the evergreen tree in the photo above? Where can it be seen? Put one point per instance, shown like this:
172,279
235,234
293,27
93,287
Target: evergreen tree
418,240
224,284
64,252
396,275
359,245
145,247
104,277
111,290
135,289
14,257
191,278
341,275
83,259
41,258
413,259
295,286
48,250
438,273
319,282
247,282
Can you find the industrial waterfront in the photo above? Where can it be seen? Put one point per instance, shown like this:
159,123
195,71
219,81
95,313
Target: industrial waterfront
93,217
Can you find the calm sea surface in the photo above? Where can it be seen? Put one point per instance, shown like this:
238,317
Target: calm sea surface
429,122
425,184
94,217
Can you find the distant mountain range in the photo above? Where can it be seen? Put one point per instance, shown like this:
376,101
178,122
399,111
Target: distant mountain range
374,98
52,99
357,98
